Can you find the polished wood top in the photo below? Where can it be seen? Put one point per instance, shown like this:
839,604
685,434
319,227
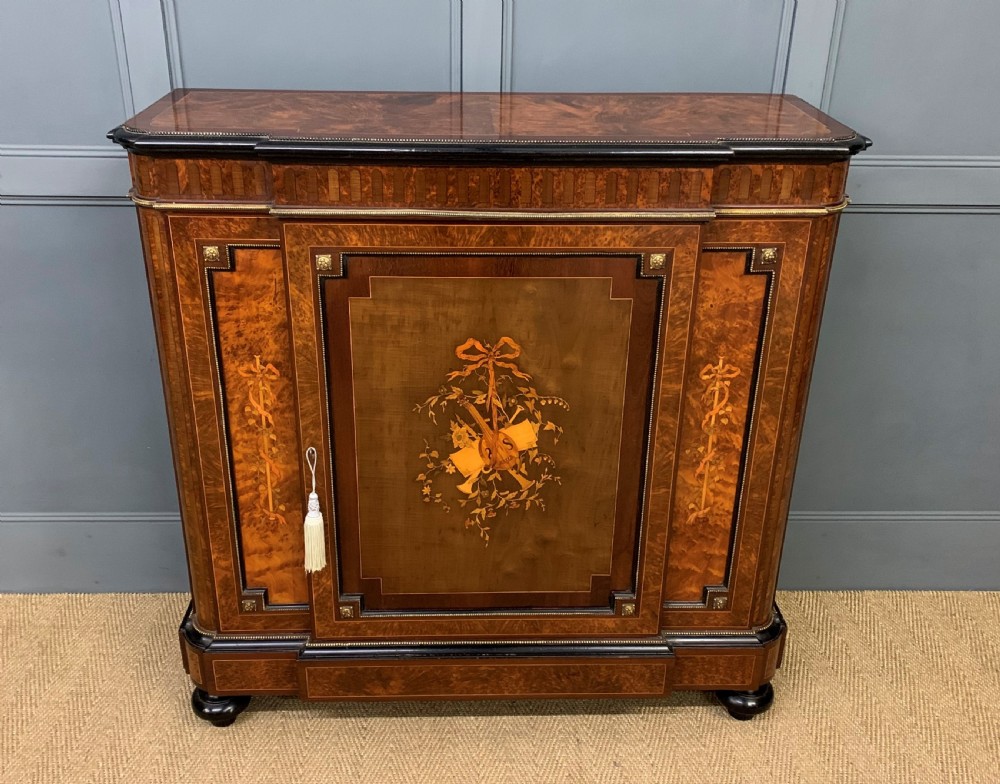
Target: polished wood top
584,125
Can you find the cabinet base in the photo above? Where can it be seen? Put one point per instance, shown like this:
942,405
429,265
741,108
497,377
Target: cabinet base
228,669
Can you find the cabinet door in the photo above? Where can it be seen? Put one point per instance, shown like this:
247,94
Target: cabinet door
495,408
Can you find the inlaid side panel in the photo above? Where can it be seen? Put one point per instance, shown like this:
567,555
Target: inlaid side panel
254,353
729,314
775,252
183,435
214,327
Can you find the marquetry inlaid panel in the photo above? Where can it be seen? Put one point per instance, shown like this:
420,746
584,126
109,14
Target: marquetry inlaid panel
499,467
254,354
720,380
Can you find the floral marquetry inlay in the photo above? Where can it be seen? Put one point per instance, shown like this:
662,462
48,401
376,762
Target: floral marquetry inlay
717,378
491,450
260,402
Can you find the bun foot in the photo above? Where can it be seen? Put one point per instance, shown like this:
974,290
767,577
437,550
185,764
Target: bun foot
744,705
221,711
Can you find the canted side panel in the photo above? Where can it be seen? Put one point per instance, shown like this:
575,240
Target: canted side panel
202,247
759,516
730,306
255,366
817,274
183,438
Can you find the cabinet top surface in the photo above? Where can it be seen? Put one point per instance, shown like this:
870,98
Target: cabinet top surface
579,124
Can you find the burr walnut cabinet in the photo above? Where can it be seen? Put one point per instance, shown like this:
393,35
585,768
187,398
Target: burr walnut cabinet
552,354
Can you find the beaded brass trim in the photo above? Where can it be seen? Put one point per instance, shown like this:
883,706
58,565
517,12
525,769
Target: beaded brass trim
344,212
519,215
786,212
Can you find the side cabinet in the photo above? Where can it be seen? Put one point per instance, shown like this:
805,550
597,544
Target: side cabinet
555,405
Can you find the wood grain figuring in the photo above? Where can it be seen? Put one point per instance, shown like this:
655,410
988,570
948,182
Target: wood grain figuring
779,184
254,346
463,117
192,659
818,263
477,680
204,179
715,670
729,316
246,675
164,299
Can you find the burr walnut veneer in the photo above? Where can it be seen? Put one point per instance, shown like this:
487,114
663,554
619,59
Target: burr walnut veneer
552,352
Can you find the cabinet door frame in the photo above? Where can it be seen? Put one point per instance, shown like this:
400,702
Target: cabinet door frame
337,615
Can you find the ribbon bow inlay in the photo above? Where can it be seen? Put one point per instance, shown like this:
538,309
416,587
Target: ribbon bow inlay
478,355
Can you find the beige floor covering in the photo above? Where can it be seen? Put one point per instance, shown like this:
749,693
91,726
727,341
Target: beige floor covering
876,687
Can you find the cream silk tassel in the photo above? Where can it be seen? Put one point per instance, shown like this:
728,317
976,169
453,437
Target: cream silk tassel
313,527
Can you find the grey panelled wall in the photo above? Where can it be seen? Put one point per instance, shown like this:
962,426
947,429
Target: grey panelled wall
899,476
650,45
372,45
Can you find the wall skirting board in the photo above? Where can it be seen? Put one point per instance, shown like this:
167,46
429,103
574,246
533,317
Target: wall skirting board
118,551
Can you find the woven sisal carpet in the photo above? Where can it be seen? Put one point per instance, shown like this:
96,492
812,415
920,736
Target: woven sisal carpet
876,687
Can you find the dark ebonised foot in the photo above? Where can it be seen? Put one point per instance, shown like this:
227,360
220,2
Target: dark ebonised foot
221,711
744,705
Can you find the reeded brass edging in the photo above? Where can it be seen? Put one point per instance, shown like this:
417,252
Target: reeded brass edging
193,206
787,212
393,212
